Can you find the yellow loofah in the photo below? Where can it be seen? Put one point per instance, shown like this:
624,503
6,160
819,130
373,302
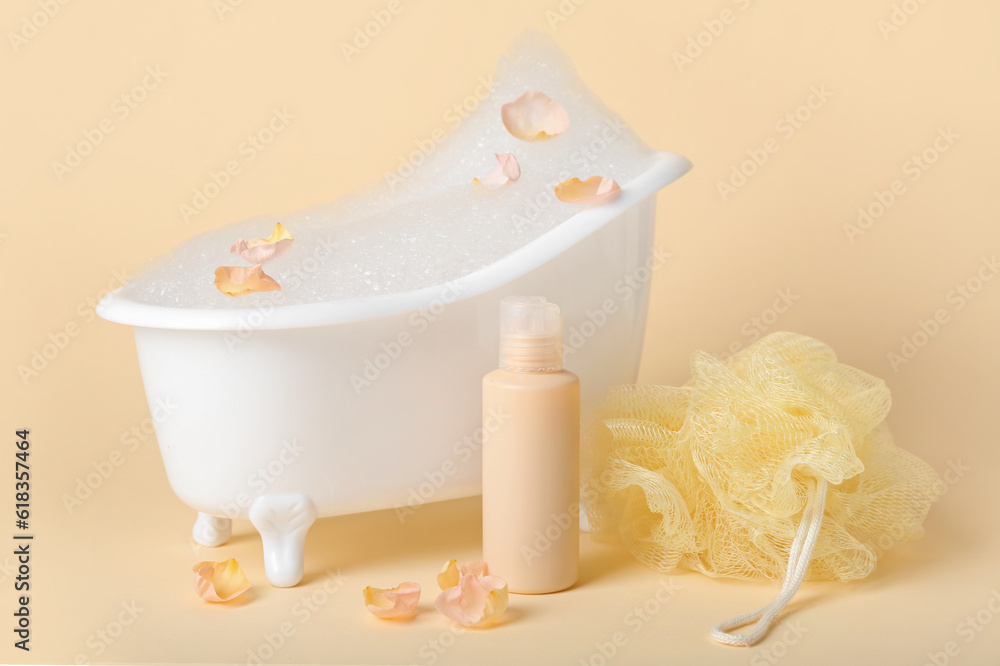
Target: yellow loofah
715,476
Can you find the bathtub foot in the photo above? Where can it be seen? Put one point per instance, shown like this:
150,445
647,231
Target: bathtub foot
283,521
212,531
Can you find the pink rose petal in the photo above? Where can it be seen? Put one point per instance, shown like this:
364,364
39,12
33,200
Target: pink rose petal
534,116
478,569
452,572
475,601
507,171
259,250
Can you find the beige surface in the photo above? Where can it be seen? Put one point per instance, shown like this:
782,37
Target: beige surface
883,98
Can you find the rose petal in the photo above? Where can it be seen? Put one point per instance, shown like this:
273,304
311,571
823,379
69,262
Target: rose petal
478,569
474,602
496,600
220,581
243,280
449,575
533,116
451,572
399,601
254,255
463,603
594,190
507,170
259,250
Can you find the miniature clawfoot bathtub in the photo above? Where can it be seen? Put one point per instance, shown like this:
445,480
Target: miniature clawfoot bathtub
374,403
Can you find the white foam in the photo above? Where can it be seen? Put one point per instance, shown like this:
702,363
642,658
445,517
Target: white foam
434,225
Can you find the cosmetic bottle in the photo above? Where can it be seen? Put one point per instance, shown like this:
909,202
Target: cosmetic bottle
531,455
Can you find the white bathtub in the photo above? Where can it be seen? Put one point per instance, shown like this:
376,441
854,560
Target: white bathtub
305,440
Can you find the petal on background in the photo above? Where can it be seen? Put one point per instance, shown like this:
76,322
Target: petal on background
464,603
474,602
478,569
220,581
395,602
496,599
533,116
449,575
452,572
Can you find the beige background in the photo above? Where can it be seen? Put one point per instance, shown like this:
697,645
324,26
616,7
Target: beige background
65,241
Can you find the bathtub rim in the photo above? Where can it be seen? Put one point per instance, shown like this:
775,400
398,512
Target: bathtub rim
667,168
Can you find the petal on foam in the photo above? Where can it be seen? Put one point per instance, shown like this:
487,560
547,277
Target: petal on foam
243,280
395,602
594,190
534,116
259,250
507,171
220,581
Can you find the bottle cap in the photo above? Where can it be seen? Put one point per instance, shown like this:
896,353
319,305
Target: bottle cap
530,334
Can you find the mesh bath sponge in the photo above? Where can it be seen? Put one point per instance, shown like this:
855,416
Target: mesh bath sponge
776,463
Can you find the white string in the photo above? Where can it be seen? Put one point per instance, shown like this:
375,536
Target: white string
799,556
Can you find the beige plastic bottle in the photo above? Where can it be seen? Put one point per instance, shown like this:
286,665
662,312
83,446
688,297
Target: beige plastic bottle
531,458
